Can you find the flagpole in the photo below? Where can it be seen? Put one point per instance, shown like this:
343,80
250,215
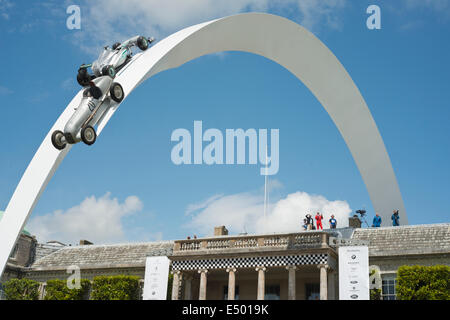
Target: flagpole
266,197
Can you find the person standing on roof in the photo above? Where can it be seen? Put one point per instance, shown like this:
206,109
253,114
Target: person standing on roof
305,224
309,222
319,218
376,221
333,222
395,217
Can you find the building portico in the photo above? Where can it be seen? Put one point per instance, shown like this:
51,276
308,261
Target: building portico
283,266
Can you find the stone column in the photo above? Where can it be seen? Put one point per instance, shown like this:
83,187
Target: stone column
291,282
323,281
188,287
332,285
231,283
176,284
203,280
261,282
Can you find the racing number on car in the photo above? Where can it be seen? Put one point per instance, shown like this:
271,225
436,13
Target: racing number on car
91,105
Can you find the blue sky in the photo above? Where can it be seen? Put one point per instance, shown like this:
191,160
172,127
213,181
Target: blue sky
126,188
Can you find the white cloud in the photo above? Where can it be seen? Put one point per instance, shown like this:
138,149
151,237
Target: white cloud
5,90
243,212
5,5
104,22
201,205
436,5
95,219
321,11
68,84
415,11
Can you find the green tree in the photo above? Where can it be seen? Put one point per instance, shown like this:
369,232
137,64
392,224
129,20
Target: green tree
116,288
21,289
375,294
423,283
58,290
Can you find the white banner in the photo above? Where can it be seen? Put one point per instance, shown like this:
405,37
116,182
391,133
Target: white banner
354,273
156,278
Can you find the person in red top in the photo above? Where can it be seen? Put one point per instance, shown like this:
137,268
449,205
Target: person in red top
319,218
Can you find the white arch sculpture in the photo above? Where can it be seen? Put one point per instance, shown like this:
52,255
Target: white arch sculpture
273,37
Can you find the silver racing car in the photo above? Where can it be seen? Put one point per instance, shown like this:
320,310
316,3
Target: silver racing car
100,90
95,101
111,60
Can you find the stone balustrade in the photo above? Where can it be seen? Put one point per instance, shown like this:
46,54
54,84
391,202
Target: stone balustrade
302,240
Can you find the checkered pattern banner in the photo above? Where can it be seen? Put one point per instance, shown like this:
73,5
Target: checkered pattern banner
249,262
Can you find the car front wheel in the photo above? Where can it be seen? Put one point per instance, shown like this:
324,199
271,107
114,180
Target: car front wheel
142,43
88,135
57,140
116,92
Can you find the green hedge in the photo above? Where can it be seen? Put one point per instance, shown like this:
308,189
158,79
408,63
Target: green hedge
58,290
375,294
21,289
115,288
423,283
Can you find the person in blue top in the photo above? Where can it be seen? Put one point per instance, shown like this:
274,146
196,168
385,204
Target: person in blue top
376,221
395,219
332,222
305,224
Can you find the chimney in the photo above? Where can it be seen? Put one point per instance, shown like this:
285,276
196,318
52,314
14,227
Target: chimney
85,243
354,222
220,231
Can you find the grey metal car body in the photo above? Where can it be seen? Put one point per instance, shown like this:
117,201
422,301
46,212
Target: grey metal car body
111,60
100,90
89,111
96,100
118,55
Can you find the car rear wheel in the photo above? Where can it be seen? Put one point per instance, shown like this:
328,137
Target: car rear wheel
57,140
109,71
116,92
142,43
88,135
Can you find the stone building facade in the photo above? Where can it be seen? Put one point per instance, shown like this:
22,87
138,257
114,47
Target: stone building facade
299,265
392,247
22,256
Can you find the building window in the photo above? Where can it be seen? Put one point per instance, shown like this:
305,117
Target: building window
236,293
312,291
272,292
388,287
